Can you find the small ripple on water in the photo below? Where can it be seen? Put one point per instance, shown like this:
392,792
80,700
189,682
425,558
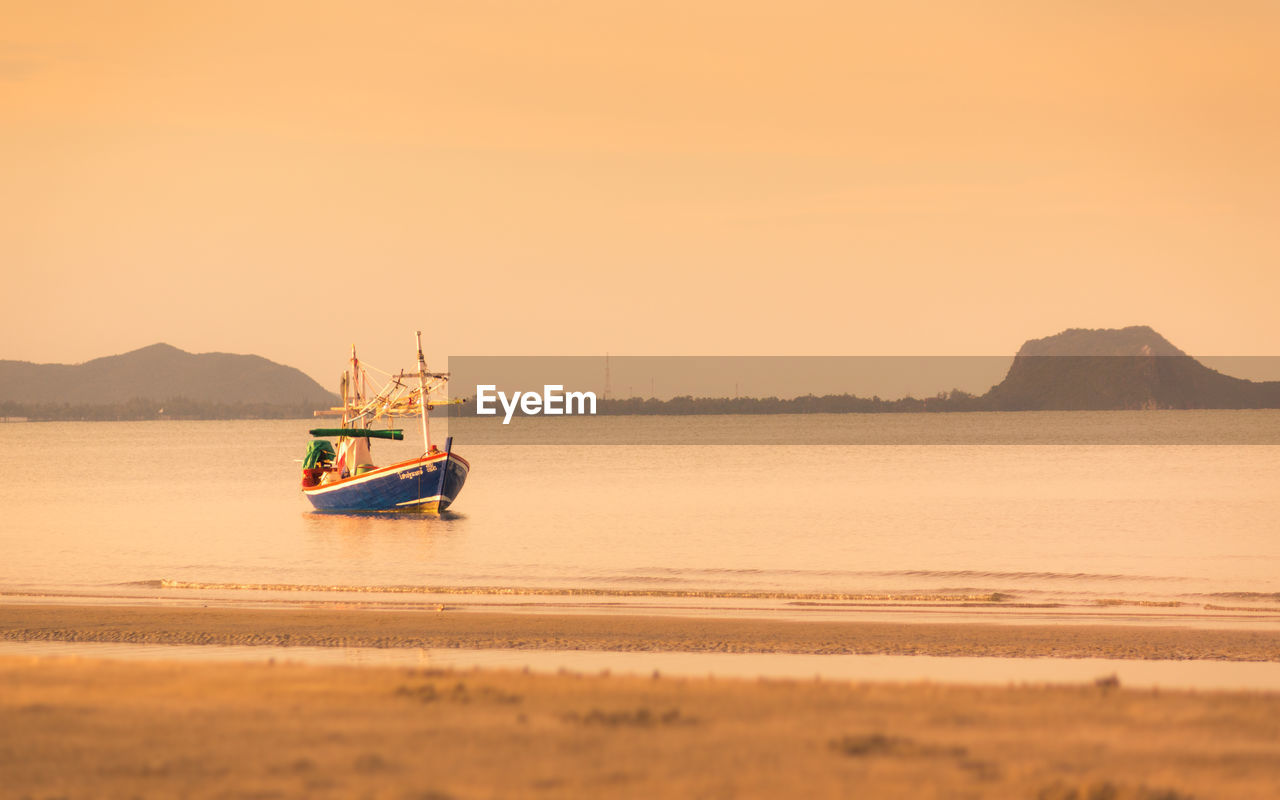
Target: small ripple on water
986,597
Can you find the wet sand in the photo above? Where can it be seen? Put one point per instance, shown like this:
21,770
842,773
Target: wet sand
92,728
328,626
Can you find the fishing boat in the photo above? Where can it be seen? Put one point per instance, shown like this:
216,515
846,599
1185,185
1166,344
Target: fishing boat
341,476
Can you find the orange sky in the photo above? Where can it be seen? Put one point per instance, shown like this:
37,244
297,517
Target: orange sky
643,178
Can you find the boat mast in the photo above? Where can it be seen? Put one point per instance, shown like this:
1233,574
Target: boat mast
422,395
354,390
344,386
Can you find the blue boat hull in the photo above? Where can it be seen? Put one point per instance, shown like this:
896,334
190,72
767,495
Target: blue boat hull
431,483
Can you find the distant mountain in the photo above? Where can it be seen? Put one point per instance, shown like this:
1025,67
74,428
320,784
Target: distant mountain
1078,369
1136,340
1126,368
159,373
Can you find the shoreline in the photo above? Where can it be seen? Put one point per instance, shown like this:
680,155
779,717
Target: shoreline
428,629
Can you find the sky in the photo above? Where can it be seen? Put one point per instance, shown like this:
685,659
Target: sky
639,178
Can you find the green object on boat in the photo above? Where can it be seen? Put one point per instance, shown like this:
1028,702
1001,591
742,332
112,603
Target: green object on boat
391,433
317,452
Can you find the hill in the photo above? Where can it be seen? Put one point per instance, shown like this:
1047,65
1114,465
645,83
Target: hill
158,374
1078,369
1126,368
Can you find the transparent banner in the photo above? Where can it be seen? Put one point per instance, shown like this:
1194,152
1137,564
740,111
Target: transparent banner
864,400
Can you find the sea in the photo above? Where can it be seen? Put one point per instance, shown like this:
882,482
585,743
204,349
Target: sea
1070,527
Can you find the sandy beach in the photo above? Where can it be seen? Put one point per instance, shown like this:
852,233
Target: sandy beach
81,727
90,728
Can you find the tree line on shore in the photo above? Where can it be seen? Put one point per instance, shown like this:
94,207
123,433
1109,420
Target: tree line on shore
185,408
686,405
145,409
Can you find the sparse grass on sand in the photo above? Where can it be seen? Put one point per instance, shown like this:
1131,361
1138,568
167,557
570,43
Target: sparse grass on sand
91,728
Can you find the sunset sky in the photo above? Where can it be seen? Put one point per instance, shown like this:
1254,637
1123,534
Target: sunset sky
645,178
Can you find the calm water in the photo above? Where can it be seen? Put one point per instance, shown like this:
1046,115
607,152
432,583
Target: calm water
211,511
